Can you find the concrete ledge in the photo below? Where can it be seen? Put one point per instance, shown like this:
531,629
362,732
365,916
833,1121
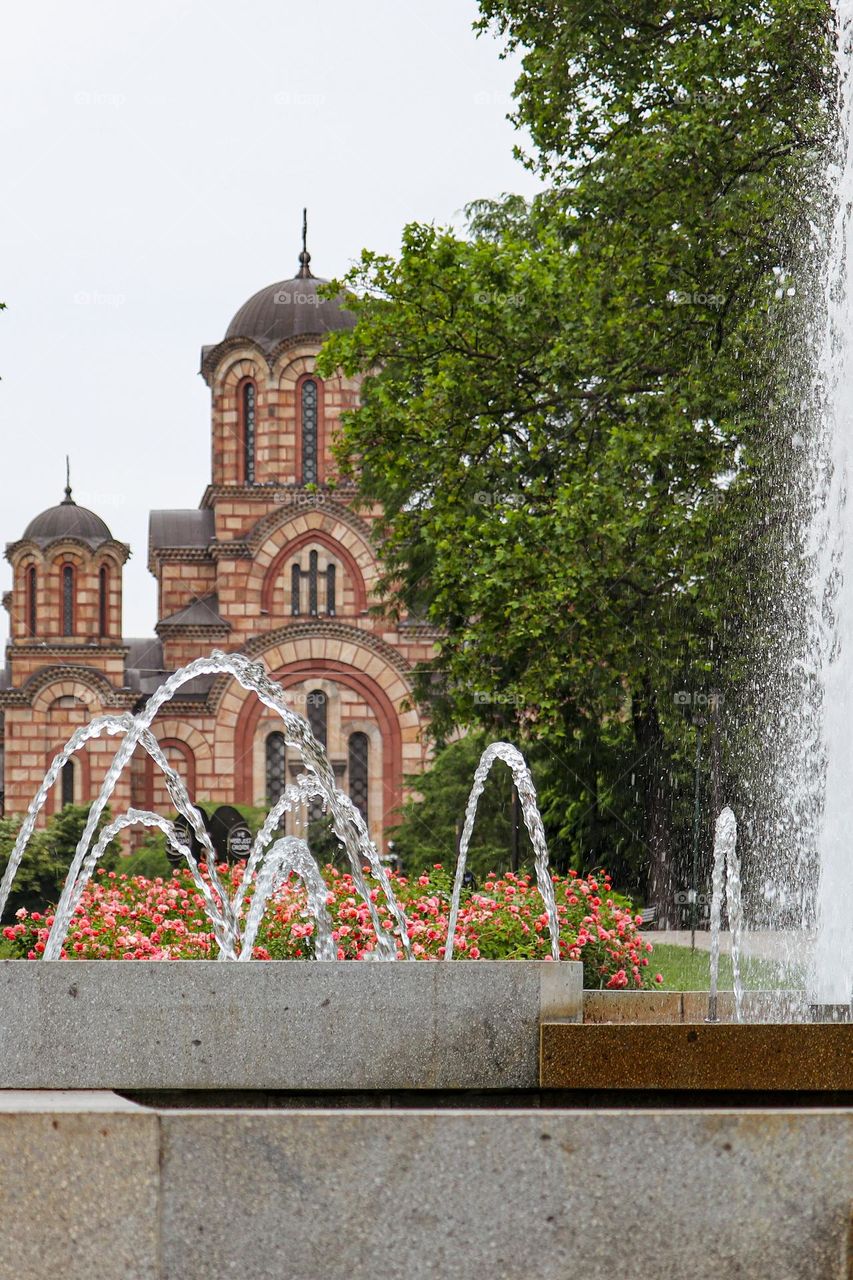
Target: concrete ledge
509,1196
728,1056
79,1187
285,1025
146,1195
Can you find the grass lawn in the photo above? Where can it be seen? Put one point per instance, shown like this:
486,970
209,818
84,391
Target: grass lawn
686,970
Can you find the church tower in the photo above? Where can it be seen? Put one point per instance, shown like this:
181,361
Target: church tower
276,562
65,661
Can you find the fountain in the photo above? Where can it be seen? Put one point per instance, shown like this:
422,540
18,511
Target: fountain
248,1118
806,738
270,859
726,867
831,630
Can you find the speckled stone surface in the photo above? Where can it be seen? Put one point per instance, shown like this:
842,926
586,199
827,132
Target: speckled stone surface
757,1056
95,1188
284,1025
79,1188
507,1195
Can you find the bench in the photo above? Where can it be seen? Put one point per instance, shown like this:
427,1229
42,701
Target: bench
648,917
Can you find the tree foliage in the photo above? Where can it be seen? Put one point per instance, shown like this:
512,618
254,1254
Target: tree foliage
559,415
44,866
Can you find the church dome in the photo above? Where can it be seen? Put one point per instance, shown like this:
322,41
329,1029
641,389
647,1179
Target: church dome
67,520
290,309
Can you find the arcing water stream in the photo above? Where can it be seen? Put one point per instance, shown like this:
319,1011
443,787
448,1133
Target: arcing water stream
271,859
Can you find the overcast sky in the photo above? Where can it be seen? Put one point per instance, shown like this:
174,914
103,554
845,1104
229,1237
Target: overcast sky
156,159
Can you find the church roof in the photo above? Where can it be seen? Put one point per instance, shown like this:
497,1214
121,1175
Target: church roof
289,309
202,612
178,529
68,520
145,672
143,667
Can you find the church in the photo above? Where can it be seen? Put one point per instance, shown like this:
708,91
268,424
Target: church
276,562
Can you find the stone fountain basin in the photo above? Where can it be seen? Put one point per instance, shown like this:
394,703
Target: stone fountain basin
281,1025
205,1185
659,1041
708,1057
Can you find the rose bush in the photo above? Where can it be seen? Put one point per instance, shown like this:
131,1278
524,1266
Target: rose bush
133,918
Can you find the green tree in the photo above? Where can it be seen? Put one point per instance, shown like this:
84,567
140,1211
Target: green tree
431,820
44,866
559,413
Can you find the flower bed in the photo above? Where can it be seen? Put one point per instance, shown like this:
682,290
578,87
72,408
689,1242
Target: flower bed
132,918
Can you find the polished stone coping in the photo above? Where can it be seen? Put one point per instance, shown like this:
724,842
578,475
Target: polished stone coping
150,1194
691,1006
765,1057
286,1025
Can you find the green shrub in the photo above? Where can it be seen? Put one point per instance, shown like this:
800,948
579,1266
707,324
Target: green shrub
48,856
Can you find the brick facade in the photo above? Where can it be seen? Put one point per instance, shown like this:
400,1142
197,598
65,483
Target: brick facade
275,563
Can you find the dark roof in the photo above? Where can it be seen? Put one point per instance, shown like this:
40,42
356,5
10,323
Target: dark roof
202,612
145,674
181,528
143,668
68,521
289,309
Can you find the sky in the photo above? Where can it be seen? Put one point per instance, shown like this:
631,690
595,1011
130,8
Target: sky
156,159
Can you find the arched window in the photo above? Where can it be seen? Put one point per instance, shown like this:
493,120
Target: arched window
247,431
104,601
68,600
312,573
309,431
32,600
68,783
357,770
312,583
317,715
276,767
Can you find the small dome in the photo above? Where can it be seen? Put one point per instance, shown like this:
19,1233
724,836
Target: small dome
289,309
68,521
